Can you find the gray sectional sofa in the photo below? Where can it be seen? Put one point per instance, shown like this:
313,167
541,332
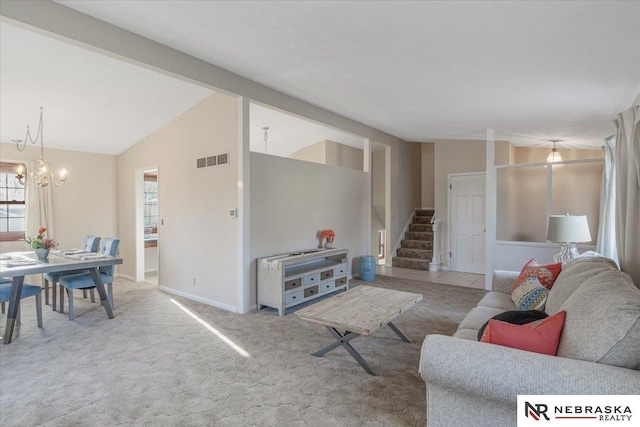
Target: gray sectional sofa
475,383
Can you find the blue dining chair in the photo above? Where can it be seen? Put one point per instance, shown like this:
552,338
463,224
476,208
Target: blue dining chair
27,291
89,244
4,280
109,246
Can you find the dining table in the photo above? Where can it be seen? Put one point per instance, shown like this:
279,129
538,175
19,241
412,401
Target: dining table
17,265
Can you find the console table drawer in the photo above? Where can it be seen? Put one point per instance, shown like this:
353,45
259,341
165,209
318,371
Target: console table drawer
326,287
293,297
313,290
340,270
292,284
341,281
311,279
327,274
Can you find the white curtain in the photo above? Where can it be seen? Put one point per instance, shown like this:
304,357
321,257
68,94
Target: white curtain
606,243
627,157
39,206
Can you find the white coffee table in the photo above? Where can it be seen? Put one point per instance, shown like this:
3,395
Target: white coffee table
359,311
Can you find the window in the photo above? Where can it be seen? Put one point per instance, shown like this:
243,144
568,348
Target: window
12,204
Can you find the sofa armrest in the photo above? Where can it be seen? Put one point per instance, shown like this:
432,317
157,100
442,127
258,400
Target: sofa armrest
501,373
503,281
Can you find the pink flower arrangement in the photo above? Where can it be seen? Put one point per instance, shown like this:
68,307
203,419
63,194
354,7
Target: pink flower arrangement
39,242
328,234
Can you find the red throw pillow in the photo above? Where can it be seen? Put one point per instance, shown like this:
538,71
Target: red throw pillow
541,336
546,274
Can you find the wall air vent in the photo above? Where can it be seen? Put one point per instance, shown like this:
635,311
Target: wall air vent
210,161
223,159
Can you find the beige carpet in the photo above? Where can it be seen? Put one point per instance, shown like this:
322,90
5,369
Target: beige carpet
156,365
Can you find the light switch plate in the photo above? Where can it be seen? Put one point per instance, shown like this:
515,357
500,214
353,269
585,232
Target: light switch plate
233,213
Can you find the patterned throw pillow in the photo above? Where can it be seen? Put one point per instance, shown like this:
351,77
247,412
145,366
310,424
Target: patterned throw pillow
546,274
530,295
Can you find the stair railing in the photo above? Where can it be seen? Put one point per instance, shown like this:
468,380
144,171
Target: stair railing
435,259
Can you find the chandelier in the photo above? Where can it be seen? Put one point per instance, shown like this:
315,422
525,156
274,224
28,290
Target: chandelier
554,156
42,175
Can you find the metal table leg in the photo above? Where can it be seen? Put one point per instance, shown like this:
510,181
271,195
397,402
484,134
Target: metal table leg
343,340
104,300
14,304
395,329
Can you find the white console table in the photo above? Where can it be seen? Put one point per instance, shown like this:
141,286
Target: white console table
291,279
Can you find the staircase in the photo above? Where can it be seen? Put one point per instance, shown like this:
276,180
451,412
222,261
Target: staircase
416,249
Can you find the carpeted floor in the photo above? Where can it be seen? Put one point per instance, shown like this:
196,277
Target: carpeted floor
156,365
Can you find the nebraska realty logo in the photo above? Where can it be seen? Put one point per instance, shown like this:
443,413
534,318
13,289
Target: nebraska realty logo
578,410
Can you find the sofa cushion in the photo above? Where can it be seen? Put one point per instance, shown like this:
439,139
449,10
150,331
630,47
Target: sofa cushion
530,295
497,300
572,276
541,336
467,334
517,317
547,274
478,316
603,321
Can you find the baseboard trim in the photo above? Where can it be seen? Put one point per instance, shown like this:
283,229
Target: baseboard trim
207,301
125,276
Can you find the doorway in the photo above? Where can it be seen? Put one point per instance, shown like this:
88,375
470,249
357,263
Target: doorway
467,222
147,231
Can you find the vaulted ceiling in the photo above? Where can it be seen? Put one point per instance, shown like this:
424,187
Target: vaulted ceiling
417,70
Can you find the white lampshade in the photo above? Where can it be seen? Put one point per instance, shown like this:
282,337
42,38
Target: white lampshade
568,228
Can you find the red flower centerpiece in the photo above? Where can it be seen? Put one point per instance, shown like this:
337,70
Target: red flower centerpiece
329,235
40,245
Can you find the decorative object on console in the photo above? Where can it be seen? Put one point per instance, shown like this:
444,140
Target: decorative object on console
541,336
554,156
569,230
329,235
42,175
546,274
40,245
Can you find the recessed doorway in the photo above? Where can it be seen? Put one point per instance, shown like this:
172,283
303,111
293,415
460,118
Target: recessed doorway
147,222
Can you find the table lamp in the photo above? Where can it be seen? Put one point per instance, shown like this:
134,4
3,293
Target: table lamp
569,230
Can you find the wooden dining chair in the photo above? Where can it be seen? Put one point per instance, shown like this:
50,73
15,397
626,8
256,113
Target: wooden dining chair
27,291
109,246
89,244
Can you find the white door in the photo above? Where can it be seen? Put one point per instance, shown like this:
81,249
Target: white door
466,196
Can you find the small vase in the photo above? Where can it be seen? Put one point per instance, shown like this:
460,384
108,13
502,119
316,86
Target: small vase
42,253
328,244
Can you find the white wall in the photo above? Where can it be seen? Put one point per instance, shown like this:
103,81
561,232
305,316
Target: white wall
316,153
427,175
199,239
292,200
453,156
86,204
344,156
377,197
331,153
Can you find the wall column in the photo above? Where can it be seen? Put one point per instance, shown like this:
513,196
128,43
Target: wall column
243,211
490,209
